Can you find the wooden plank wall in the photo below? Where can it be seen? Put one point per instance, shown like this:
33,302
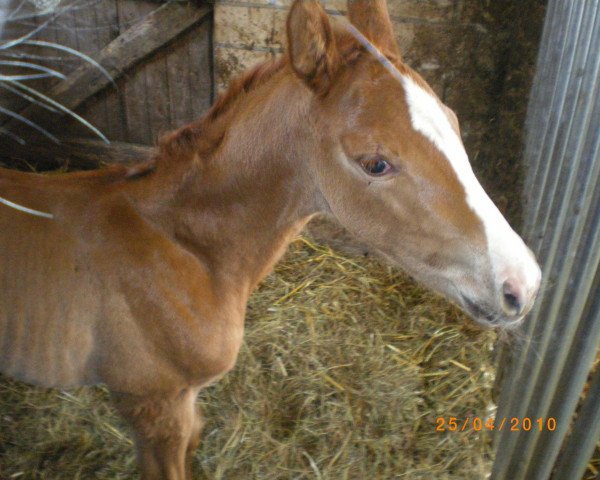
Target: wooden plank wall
167,89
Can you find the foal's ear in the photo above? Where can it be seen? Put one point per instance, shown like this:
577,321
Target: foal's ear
311,43
372,19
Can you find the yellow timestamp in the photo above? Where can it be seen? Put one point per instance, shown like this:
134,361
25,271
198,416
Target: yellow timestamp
477,424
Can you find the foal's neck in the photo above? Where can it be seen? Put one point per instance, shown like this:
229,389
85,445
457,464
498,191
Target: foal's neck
238,210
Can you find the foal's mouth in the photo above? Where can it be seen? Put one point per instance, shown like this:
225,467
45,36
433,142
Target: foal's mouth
484,315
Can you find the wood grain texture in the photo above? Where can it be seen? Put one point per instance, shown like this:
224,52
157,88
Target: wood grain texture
145,37
135,88
102,27
200,70
141,40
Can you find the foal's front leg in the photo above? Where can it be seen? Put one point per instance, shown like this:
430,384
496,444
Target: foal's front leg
167,431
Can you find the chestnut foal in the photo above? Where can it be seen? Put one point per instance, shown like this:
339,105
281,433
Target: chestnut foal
139,277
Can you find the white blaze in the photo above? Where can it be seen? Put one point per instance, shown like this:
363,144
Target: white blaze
508,253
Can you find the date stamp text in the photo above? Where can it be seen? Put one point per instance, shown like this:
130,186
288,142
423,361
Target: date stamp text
477,424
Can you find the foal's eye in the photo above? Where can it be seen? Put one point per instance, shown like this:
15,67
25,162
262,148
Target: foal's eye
375,165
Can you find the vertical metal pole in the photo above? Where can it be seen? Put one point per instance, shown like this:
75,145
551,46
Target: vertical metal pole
573,460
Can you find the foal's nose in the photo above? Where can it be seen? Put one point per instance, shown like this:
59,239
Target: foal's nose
514,296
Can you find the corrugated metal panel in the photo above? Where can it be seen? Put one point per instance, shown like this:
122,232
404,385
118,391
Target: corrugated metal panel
546,378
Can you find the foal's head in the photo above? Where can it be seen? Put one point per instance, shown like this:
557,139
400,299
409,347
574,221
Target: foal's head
391,166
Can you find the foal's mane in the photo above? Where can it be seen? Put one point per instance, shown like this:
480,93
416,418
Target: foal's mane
204,136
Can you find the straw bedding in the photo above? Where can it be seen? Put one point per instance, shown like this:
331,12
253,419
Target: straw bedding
345,368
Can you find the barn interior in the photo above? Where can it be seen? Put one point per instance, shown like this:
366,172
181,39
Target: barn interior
347,363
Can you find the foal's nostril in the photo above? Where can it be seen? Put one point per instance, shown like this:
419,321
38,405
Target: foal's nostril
512,300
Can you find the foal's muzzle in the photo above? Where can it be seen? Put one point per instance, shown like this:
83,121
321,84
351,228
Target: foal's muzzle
514,305
486,315
507,303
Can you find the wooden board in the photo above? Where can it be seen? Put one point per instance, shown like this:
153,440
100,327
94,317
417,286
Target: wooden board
163,53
